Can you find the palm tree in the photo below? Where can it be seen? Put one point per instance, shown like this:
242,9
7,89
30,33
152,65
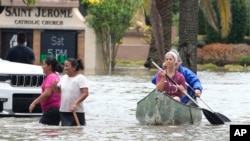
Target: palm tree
160,19
188,26
164,8
225,15
188,31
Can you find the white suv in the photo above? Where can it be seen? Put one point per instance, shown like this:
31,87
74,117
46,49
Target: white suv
19,86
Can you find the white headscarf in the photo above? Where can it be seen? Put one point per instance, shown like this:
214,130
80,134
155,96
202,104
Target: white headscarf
178,55
172,54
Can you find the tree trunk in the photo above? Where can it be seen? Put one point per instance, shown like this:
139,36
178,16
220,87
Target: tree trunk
160,18
188,31
157,30
164,8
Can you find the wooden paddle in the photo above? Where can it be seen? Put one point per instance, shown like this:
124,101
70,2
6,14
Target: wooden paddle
223,117
210,116
76,119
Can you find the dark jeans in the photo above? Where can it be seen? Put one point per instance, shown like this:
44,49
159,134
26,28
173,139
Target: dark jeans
67,119
50,117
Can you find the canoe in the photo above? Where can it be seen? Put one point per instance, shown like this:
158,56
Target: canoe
157,108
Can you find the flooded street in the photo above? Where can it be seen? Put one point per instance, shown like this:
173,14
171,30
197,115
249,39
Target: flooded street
110,111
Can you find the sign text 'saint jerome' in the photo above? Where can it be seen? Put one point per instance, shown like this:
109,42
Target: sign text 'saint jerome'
40,12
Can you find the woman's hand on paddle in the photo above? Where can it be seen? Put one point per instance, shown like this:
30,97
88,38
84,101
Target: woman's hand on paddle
73,107
163,73
182,89
197,93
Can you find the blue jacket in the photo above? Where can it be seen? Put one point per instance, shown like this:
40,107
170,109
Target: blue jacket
191,78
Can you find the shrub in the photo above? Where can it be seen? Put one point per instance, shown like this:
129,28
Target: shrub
245,61
209,66
247,40
238,24
213,53
235,68
222,54
201,41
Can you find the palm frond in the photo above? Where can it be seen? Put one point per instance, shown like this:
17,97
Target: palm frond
209,13
225,16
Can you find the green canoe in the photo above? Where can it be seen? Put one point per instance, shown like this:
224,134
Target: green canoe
158,108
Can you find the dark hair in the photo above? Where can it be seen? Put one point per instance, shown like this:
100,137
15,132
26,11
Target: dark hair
76,63
51,61
21,37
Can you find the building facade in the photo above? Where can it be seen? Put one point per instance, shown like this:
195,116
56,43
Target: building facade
53,27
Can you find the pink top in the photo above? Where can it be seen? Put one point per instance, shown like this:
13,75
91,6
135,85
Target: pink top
171,88
55,99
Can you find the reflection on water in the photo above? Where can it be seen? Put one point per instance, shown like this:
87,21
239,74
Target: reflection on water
110,111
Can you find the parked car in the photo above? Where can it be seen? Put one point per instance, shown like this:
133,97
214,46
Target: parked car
19,86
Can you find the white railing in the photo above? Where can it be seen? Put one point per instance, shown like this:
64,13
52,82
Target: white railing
43,3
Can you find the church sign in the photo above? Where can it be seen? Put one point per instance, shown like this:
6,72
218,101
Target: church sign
41,18
60,44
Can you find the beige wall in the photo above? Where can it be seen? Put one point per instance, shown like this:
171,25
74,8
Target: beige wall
92,54
81,45
37,45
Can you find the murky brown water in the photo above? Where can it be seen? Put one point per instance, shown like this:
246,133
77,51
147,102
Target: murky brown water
110,111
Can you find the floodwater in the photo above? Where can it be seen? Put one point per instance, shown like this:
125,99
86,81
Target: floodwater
110,111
